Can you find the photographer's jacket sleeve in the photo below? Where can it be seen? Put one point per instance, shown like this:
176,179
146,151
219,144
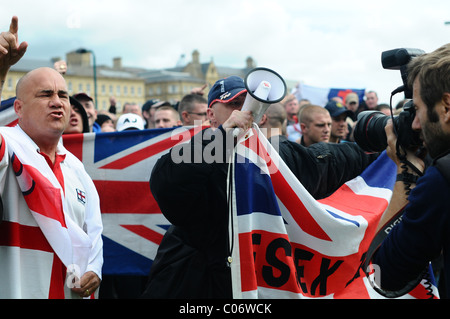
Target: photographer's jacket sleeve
421,236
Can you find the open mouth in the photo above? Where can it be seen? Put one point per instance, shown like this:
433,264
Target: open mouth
73,121
57,114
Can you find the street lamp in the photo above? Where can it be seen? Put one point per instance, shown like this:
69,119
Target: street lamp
82,51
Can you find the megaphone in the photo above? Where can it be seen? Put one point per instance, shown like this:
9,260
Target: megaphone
264,87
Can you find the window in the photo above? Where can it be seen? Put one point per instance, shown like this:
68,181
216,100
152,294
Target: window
173,89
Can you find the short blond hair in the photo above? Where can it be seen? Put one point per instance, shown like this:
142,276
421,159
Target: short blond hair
305,115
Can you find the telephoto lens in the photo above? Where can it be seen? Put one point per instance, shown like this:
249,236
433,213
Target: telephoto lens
369,131
370,134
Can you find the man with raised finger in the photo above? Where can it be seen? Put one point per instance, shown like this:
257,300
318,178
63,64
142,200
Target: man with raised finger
50,236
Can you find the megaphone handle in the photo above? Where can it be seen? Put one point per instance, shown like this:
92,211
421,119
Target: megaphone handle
237,131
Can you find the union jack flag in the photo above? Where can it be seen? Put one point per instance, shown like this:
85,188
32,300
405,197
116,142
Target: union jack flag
8,116
286,244
120,164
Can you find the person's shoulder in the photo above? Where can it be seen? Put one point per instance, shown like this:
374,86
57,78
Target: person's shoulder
443,165
435,179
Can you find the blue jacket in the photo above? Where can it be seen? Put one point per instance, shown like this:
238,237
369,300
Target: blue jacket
421,236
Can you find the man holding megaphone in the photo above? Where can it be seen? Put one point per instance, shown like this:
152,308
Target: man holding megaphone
192,194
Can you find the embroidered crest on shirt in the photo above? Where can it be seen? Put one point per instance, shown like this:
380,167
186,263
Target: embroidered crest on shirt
81,196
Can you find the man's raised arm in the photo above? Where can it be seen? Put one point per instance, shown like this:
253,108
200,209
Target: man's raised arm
10,50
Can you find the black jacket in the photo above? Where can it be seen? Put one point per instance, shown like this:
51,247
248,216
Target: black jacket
323,167
192,258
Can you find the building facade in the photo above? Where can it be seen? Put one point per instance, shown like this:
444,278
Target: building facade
126,84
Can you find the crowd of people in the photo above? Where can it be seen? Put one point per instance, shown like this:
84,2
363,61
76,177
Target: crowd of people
302,122
315,141
153,114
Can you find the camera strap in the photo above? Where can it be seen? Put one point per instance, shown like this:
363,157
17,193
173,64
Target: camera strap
376,243
407,178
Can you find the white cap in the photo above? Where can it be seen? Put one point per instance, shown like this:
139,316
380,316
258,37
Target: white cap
130,121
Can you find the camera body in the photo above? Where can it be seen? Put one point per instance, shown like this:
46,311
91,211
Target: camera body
398,59
370,134
369,131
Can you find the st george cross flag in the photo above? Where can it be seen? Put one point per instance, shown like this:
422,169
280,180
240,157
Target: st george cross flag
286,244
321,96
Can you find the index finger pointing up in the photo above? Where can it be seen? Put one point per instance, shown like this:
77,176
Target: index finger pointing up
14,26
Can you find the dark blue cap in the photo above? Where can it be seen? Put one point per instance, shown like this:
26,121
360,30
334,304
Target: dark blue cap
337,108
226,90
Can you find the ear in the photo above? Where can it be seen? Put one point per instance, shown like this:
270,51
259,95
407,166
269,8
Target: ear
446,105
184,115
211,116
18,107
263,120
303,127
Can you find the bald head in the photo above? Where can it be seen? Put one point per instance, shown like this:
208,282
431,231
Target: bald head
42,106
32,77
276,115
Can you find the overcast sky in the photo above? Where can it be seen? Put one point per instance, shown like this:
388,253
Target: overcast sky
320,43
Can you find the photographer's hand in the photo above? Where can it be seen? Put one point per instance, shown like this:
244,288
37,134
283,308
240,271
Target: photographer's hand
399,197
391,151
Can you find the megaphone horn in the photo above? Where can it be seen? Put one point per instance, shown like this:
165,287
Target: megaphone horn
264,87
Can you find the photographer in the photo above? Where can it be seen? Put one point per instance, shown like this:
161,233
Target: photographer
423,232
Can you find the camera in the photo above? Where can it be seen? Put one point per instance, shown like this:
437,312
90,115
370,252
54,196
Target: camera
369,131
370,134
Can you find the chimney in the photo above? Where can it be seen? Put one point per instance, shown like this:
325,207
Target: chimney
117,63
250,63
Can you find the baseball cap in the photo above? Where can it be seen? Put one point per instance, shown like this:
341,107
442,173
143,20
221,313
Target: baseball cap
337,108
147,105
102,118
226,90
83,97
130,121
